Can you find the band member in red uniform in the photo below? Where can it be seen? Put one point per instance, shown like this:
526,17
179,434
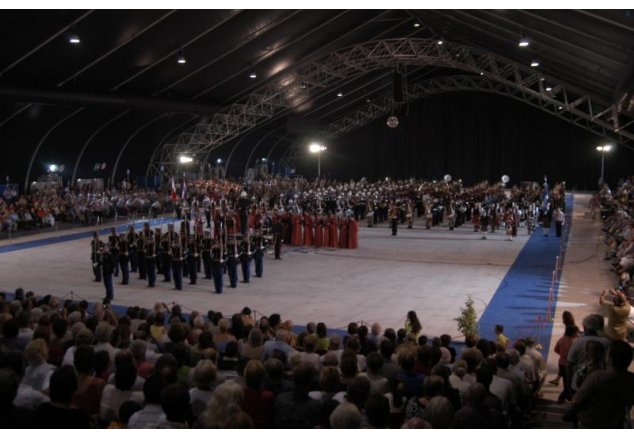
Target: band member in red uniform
326,222
333,232
319,231
308,230
353,234
343,233
475,218
296,238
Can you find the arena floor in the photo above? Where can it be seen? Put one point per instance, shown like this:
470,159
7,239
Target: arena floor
430,271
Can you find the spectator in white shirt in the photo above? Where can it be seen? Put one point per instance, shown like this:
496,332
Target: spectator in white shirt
152,414
38,372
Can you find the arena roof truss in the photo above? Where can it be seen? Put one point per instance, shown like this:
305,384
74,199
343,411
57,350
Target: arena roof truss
488,72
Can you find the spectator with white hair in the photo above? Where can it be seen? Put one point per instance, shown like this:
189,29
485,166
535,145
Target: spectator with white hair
225,402
204,379
103,336
38,372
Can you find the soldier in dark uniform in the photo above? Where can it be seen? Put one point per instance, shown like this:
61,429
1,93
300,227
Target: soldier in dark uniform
131,239
198,242
123,259
218,256
166,245
150,262
113,243
206,254
208,216
95,245
258,254
245,259
192,256
232,262
177,264
159,250
107,269
144,237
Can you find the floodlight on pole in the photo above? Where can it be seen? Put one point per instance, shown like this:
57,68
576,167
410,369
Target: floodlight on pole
603,149
316,148
184,159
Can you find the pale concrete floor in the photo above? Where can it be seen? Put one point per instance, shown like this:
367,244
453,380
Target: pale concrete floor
431,272
584,275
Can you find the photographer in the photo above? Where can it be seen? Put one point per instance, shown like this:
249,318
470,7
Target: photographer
618,309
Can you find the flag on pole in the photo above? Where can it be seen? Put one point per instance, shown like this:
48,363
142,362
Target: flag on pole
184,192
173,190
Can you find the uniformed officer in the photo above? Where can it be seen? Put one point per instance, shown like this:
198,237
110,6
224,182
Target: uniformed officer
177,265
218,259
150,262
95,246
132,249
206,255
245,259
123,259
394,219
192,256
258,254
107,269
232,262
113,243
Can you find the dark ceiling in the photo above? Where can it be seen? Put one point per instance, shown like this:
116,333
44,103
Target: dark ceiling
121,93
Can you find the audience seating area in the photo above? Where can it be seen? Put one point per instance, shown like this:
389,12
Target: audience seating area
67,364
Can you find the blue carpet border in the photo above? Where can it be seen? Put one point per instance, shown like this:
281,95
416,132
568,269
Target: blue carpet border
520,303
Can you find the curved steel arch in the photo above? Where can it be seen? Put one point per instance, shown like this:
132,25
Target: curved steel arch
41,142
236,147
446,84
286,91
92,136
246,165
158,150
127,142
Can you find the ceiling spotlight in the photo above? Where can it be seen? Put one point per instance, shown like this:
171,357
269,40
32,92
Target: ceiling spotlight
440,42
181,58
302,85
316,148
219,161
481,73
253,75
185,159
52,168
339,94
549,89
560,108
417,24
74,39
524,42
534,63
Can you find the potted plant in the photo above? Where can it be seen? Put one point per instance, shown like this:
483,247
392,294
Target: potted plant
468,319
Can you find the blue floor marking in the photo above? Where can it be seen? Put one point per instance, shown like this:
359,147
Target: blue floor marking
521,301
81,235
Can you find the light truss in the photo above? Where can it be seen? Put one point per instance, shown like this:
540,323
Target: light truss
538,98
492,73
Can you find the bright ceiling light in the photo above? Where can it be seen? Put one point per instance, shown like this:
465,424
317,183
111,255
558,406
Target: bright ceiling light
524,42
534,63
604,148
440,42
340,94
53,167
316,147
253,75
549,89
481,73
183,159
219,161
560,108
416,24
74,39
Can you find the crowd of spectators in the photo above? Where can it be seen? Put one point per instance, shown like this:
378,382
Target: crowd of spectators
66,364
43,208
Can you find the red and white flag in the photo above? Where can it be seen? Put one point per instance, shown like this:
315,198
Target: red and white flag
184,192
174,196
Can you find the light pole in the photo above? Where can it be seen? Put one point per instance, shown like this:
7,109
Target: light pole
316,148
603,149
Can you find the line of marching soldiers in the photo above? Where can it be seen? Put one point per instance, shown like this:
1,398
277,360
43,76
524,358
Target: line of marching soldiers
174,256
319,230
